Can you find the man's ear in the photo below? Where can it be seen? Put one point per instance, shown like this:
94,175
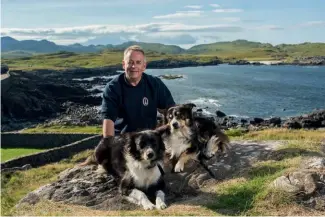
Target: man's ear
123,64
145,65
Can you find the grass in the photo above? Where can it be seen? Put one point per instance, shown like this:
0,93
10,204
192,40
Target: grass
16,185
248,193
11,153
64,60
63,129
239,196
285,134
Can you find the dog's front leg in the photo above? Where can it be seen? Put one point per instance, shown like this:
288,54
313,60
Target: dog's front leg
160,200
184,157
138,197
134,195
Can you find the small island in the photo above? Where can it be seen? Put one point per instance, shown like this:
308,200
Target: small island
170,77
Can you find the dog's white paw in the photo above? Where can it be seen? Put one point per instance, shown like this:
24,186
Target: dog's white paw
160,204
179,167
148,205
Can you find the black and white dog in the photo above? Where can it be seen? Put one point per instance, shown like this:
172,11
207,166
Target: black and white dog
135,159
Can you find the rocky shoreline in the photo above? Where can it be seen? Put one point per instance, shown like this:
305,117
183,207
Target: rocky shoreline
300,61
51,97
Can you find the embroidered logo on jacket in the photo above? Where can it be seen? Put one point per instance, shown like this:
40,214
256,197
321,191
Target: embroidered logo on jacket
145,101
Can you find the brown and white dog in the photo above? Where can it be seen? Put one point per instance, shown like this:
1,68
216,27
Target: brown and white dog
189,137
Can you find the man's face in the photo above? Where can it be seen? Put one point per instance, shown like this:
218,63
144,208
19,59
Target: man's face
134,65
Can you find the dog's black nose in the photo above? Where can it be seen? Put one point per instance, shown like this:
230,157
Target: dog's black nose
175,125
150,155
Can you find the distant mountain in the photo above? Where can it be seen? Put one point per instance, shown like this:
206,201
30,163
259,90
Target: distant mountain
12,47
239,49
157,47
9,44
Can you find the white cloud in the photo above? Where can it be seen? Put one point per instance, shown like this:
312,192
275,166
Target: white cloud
313,23
166,38
116,33
179,27
112,29
180,14
215,5
268,27
193,6
229,19
227,10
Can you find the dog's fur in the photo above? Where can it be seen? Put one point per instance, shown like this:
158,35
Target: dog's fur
191,137
210,135
134,160
180,137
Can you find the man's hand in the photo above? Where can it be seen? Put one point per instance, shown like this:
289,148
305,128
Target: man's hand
108,128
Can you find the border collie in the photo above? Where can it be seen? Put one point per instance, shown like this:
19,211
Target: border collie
191,137
134,159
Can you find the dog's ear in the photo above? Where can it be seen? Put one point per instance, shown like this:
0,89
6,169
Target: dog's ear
189,105
163,112
131,141
162,129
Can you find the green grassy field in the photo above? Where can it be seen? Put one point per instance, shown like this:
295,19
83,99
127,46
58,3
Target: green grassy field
64,60
64,129
245,195
11,153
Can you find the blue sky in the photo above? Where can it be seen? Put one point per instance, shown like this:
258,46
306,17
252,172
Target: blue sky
183,23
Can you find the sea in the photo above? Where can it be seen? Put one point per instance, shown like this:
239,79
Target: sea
246,91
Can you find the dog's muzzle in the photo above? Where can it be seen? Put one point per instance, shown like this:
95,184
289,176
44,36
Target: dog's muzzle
175,125
150,155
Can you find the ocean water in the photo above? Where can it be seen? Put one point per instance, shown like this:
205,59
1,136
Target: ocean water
249,91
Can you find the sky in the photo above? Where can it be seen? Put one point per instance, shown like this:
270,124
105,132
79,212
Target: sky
177,22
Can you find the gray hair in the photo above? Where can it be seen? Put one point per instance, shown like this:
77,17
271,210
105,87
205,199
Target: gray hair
128,51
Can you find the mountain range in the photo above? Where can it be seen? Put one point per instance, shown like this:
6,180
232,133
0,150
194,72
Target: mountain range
11,48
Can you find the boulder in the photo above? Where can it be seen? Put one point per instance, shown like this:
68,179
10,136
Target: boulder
308,184
309,121
220,114
4,69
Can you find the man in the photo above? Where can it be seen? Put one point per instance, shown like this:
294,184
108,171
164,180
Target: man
130,100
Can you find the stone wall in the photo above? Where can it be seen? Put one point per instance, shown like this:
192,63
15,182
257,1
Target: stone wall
53,155
39,140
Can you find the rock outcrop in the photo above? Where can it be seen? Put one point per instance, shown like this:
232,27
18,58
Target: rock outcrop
172,63
31,97
4,69
313,120
307,184
310,61
90,187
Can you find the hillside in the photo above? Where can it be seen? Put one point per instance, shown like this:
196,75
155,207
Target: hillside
239,49
12,48
247,49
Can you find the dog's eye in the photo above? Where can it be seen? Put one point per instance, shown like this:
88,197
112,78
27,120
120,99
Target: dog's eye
170,116
142,145
177,113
